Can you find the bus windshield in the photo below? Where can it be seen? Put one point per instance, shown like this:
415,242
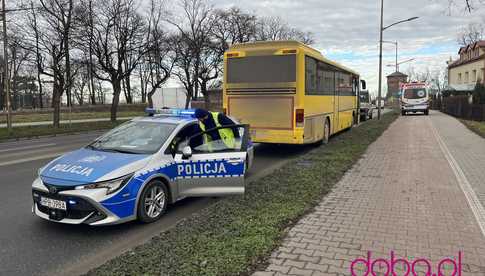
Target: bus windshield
415,93
261,69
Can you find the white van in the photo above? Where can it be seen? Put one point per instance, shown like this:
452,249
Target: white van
414,98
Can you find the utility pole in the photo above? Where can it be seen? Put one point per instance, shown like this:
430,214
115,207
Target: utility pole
6,80
379,89
90,73
381,30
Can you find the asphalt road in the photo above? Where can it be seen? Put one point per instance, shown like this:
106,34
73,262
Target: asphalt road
32,246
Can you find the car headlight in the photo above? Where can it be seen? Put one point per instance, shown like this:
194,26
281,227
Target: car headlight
111,186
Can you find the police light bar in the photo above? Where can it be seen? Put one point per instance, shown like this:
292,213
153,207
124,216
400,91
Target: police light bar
171,112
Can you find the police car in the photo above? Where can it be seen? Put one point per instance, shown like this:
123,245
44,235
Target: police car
135,170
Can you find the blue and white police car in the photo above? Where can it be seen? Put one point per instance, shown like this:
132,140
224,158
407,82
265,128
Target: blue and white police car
135,170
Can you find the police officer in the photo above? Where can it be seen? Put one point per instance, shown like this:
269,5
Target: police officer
209,120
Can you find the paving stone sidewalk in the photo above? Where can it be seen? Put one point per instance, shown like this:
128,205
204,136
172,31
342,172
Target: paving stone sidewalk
401,197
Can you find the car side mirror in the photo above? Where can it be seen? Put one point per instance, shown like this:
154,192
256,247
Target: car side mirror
186,152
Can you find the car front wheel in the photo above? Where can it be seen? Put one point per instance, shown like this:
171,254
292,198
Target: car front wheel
153,201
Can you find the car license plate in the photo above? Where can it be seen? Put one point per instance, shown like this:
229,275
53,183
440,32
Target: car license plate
53,203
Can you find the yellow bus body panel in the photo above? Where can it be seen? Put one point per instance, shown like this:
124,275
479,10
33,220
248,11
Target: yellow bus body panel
277,125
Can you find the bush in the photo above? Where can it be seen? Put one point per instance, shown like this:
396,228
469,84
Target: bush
479,94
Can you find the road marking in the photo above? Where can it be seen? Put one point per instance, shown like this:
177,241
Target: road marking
28,147
46,156
477,208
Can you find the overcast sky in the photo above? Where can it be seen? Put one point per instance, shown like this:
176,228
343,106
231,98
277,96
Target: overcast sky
348,31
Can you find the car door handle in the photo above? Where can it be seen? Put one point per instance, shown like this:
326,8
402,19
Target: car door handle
234,161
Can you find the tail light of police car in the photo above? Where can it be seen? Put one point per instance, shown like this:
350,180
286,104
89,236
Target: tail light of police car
300,117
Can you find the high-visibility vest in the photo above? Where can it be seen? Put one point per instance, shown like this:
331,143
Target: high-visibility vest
226,134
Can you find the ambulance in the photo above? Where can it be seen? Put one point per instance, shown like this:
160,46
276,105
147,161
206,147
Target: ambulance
414,98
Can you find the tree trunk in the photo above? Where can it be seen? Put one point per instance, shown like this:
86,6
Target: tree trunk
57,112
129,98
91,77
123,88
203,89
56,104
41,104
150,95
2,93
143,88
190,92
116,98
67,77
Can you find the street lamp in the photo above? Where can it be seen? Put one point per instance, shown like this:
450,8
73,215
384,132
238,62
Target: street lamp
399,63
381,30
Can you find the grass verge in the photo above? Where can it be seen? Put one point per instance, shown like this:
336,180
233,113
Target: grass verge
477,127
42,117
234,235
47,130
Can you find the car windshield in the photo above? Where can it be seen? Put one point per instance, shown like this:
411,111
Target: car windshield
415,93
136,137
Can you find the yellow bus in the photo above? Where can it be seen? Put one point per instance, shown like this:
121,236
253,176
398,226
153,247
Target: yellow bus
288,92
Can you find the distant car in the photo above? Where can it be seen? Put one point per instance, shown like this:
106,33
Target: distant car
366,106
137,169
414,98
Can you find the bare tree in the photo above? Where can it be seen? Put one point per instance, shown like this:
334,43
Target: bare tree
157,63
32,22
81,80
51,29
274,28
471,33
419,76
19,56
194,28
118,31
439,79
466,5
210,69
233,26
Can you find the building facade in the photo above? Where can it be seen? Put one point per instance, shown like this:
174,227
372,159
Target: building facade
393,84
464,73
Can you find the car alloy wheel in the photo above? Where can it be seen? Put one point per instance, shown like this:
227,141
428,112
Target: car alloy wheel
153,201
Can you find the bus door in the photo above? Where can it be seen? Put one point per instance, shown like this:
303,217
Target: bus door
336,111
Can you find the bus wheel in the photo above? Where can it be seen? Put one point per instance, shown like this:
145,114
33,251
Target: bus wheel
326,132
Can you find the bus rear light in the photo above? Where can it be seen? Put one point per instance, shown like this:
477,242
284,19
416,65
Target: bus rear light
300,117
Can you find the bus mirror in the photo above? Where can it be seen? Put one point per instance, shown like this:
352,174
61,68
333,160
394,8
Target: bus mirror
364,86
